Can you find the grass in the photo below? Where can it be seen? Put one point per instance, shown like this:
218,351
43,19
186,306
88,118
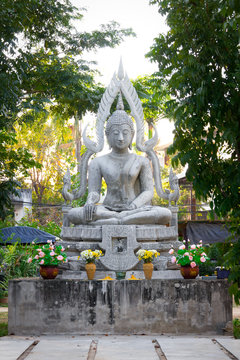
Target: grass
3,329
4,322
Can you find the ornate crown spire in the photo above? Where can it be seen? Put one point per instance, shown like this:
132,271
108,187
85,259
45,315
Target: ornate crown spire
120,105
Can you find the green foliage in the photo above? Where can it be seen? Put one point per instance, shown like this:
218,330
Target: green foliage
153,95
13,264
188,254
12,162
199,57
232,261
41,63
3,329
50,227
236,328
47,254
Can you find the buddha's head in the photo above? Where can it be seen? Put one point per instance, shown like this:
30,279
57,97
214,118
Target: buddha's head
120,129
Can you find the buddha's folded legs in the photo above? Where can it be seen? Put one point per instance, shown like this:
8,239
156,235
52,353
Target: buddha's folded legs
101,216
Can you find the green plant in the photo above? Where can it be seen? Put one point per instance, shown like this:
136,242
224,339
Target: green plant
192,255
236,328
3,329
48,254
13,264
50,227
147,255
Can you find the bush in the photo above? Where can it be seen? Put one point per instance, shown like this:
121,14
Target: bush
236,328
13,264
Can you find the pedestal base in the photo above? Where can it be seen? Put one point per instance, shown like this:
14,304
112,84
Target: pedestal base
175,306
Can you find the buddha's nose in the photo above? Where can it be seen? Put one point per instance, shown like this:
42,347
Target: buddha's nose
120,136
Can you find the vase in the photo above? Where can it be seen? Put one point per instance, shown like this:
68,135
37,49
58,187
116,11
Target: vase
148,270
49,271
120,275
188,272
90,270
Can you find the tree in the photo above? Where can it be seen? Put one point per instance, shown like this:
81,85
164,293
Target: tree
199,58
36,37
153,95
50,144
11,162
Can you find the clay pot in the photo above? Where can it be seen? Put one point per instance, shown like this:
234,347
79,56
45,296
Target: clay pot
49,271
90,270
148,270
188,272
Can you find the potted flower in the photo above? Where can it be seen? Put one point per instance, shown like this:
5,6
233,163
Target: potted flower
90,256
147,256
189,258
48,256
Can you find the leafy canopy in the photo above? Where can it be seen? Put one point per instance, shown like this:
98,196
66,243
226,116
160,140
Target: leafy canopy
41,62
199,58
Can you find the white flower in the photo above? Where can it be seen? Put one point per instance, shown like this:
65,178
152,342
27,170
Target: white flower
141,252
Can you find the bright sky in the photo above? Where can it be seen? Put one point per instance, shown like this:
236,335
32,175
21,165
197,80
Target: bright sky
145,21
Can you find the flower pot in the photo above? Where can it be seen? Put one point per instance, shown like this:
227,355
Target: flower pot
4,300
222,273
90,270
148,269
188,272
120,275
49,271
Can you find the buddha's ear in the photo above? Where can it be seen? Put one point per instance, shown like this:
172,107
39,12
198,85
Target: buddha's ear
109,143
130,145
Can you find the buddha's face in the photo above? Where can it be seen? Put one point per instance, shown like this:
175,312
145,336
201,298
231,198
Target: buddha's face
120,137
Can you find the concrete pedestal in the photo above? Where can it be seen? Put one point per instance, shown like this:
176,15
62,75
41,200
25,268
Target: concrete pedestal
155,306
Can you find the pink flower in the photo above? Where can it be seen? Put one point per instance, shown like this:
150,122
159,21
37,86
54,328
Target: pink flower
193,264
190,257
62,249
36,257
51,247
52,253
202,259
203,254
171,251
29,260
60,257
49,241
193,247
186,254
182,247
173,259
41,254
41,262
39,250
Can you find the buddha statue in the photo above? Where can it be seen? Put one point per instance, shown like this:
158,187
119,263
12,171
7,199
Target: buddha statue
128,176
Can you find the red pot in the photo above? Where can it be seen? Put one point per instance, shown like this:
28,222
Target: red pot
188,272
49,271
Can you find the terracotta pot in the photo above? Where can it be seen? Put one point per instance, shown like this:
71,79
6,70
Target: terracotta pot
148,269
90,269
4,300
49,271
188,272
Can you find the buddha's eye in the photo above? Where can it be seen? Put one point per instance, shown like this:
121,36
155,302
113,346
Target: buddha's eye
125,132
115,132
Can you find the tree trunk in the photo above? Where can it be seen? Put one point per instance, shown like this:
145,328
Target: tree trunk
78,140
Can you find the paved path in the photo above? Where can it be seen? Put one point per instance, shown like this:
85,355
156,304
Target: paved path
112,347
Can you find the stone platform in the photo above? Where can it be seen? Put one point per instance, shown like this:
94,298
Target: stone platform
175,306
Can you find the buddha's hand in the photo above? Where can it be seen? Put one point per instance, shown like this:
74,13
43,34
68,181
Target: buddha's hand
132,207
89,210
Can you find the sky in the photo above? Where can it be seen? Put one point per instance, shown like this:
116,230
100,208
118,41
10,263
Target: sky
145,21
